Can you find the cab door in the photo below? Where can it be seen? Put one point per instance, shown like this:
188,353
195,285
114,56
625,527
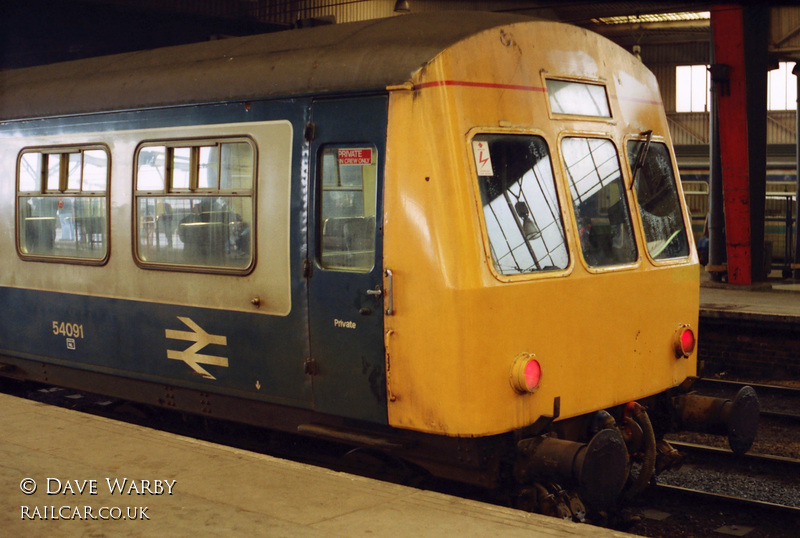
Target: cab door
345,296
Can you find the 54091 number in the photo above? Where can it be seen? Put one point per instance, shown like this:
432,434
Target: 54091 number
70,330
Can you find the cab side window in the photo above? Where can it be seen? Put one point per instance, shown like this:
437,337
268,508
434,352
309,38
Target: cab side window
62,201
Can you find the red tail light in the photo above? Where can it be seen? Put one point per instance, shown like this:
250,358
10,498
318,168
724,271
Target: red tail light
526,373
684,341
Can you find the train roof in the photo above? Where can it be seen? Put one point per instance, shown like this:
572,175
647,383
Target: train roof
361,56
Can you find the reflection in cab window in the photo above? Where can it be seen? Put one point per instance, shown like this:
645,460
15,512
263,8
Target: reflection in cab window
657,196
599,199
194,204
520,205
347,212
62,201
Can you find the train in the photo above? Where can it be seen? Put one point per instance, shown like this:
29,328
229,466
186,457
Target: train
456,240
780,212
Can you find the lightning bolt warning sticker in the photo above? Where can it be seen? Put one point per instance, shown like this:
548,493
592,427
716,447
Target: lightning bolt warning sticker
483,161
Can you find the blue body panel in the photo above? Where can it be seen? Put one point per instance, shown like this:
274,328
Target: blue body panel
346,322
128,339
249,355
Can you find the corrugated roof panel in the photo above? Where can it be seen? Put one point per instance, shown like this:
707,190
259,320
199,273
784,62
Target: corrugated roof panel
784,33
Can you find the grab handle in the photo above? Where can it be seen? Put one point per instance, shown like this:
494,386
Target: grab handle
389,297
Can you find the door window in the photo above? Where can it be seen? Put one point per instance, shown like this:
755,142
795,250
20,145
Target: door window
347,208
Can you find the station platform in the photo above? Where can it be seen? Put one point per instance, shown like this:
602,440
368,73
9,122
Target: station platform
67,473
778,301
750,332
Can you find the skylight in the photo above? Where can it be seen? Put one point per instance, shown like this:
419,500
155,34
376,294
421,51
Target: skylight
655,18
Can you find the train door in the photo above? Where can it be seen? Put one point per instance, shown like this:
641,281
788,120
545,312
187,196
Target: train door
347,155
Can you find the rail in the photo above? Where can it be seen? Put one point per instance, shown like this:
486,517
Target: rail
727,502
752,481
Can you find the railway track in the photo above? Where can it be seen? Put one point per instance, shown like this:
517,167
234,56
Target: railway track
674,494
725,502
765,464
763,482
718,492
693,512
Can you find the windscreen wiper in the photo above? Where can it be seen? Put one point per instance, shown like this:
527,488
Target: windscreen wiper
640,157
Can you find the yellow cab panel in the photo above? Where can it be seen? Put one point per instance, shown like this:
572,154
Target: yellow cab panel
470,296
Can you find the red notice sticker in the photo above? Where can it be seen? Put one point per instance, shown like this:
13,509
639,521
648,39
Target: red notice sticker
355,156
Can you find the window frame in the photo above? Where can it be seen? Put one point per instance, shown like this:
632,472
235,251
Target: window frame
681,198
682,93
167,191
558,191
44,191
322,188
629,199
783,75
546,80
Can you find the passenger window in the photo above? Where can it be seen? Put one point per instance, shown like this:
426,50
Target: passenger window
348,185
194,204
599,200
520,204
658,199
62,203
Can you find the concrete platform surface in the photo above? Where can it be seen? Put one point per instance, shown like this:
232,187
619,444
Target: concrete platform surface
768,302
66,473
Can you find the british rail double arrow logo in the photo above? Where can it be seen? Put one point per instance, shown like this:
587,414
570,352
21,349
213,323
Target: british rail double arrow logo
201,339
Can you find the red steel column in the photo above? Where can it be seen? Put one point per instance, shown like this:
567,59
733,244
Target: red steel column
728,38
